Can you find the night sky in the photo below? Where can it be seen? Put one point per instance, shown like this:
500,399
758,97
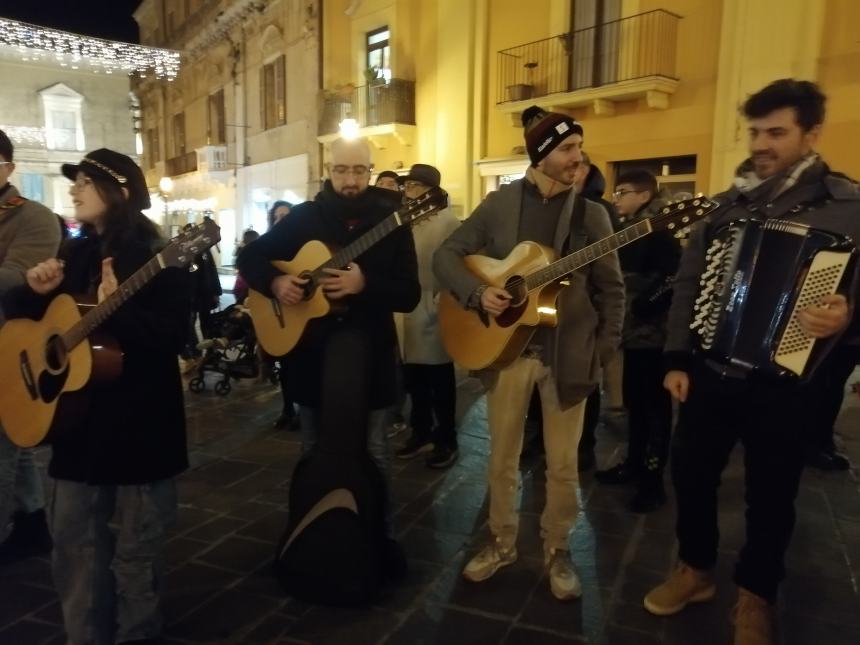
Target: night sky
109,19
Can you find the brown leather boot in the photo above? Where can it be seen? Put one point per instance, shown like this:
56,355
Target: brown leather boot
684,586
754,619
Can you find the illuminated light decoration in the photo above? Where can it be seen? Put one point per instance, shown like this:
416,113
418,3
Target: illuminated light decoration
25,136
35,43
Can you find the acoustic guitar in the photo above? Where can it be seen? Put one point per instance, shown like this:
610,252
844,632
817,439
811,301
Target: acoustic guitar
279,328
534,277
41,361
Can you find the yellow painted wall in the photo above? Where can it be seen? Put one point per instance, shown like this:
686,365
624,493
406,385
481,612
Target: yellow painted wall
839,75
635,131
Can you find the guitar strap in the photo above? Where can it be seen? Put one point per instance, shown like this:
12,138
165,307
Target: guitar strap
10,205
578,237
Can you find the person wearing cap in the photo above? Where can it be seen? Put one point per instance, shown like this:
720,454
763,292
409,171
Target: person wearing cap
563,361
389,180
429,371
114,490
28,235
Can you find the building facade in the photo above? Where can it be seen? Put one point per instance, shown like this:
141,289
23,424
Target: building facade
237,130
656,83
57,104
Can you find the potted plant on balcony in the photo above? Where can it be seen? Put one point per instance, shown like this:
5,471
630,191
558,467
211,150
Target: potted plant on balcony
523,91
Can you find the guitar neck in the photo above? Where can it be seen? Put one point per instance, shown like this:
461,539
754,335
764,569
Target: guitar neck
100,313
355,248
570,263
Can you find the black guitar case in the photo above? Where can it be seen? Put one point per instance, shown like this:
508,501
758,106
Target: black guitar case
334,550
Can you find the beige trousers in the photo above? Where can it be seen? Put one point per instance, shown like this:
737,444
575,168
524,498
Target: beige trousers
507,405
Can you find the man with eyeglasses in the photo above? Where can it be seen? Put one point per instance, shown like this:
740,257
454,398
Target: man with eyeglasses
381,281
648,267
29,234
428,370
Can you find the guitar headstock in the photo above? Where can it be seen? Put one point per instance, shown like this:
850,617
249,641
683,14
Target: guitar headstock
183,248
416,210
680,215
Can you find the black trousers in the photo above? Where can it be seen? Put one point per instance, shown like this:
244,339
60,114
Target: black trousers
767,419
825,393
283,380
649,412
433,390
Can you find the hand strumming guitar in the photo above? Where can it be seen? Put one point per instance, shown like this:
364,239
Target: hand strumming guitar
288,289
45,276
495,300
343,282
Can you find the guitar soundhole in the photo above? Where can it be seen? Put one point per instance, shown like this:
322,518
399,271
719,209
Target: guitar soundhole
311,286
56,356
516,286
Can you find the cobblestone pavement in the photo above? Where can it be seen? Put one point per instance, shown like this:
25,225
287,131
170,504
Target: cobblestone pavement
233,509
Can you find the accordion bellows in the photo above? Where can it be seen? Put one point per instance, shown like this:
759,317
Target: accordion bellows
758,276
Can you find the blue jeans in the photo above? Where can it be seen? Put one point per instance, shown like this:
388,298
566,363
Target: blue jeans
108,559
21,486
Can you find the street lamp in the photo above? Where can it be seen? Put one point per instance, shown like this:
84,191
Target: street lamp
165,185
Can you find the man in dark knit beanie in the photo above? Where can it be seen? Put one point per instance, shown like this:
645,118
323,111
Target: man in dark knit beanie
562,361
544,131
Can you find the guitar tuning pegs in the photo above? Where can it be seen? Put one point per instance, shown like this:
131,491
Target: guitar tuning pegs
193,268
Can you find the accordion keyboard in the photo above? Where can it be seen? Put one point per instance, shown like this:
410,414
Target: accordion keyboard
713,284
823,278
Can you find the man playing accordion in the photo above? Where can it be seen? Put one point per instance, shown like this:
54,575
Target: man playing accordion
726,399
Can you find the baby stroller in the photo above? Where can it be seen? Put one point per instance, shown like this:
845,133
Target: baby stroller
229,350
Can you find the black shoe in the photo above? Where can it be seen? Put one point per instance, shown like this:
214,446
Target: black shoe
414,447
648,498
587,460
828,460
29,537
442,456
619,474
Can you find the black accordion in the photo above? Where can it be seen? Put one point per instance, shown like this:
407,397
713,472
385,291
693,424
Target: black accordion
758,275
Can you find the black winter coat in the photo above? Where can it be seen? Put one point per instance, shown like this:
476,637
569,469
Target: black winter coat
390,271
134,429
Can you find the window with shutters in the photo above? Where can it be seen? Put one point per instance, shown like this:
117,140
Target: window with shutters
217,131
153,152
273,99
179,134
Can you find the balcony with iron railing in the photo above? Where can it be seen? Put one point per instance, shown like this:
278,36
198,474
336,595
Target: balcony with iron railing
624,59
380,107
182,164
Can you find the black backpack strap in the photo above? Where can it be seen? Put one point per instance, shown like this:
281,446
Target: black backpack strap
578,237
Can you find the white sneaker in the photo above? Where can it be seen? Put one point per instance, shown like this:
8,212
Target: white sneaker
489,560
563,581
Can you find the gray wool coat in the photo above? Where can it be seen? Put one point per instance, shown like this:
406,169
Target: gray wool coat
29,234
591,309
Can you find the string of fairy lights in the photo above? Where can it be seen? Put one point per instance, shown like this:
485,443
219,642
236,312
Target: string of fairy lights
35,43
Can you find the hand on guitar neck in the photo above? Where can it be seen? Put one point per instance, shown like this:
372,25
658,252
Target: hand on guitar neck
343,282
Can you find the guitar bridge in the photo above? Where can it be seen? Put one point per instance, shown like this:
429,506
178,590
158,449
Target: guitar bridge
277,311
27,375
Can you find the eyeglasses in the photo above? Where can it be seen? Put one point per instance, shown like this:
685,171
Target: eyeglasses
410,183
6,163
355,171
81,182
618,194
